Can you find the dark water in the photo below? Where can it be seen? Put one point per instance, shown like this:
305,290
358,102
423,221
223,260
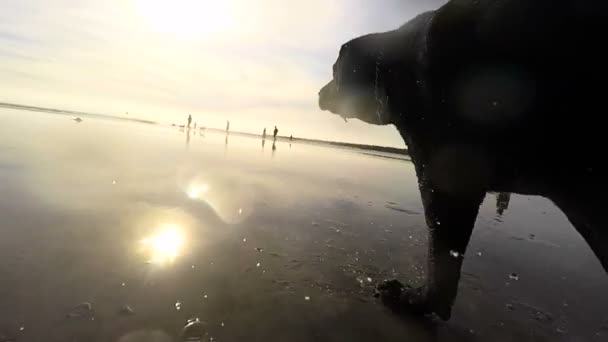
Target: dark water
282,244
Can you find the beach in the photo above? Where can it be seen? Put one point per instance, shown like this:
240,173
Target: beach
124,231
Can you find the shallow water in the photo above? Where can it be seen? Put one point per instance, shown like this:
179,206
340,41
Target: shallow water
281,244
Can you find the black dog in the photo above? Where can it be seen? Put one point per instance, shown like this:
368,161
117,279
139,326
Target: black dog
489,96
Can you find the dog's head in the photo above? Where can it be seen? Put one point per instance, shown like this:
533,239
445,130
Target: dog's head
357,89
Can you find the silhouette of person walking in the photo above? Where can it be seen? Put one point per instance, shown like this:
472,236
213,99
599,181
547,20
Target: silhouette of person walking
264,133
227,126
276,131
189,120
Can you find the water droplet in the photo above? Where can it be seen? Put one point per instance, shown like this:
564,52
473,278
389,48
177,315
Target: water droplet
222,324
438,223
257,265
454,254
193,266
178,306
369,279
306,298
244,239
127,310
21,328
411,237
513,276
123,284
193,331
114,182
263,271
259,249
240,211
360,281
84,309
205,296
479,254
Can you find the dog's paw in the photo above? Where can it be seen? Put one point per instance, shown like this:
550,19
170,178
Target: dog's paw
406,299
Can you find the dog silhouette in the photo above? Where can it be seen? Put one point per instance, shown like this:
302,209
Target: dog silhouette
504,96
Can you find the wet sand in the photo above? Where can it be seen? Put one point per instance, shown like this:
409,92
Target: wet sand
259,244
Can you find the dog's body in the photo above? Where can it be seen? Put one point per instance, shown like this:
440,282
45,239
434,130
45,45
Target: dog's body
489,96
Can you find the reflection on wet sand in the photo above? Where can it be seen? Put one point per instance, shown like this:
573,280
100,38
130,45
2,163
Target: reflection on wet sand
187,138
163,246
502,202
322,238
196,191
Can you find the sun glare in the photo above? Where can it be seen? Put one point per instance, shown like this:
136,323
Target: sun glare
165,245
186,18
196,191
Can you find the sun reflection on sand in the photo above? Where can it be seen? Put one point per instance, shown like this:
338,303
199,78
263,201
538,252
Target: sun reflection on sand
165,245
196,191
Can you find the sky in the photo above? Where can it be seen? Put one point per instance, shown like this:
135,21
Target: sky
257,63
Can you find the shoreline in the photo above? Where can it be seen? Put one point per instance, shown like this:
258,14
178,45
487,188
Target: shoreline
365,147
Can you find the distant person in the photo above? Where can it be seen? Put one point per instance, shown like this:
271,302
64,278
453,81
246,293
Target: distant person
291,137
276,131
189,120
264,133
227,126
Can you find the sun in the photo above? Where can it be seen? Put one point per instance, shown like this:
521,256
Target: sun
186,18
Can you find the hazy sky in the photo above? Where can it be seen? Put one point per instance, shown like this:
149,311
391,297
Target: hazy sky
256,63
